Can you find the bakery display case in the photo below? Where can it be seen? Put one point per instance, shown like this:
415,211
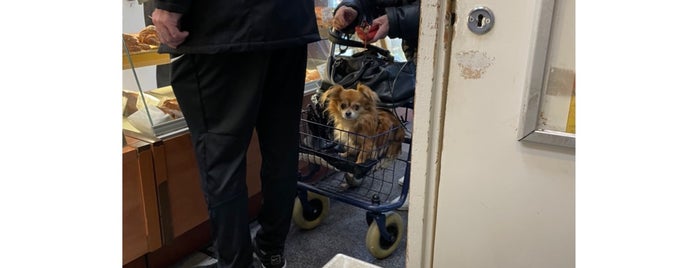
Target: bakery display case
149,106
147,109
318,52
155,113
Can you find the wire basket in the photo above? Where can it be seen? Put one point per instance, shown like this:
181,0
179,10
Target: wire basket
332,166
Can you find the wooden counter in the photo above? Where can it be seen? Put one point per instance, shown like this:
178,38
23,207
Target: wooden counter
140,216
174,198
165,217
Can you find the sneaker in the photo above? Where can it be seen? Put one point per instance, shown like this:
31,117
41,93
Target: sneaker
268,259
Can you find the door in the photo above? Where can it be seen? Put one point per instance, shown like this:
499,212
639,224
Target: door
487,199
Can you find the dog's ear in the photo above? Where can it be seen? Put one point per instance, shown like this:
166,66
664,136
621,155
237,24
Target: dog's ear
368,92
332,93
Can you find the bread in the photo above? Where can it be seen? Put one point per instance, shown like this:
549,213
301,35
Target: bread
171,107
171,104
324,16
130,39
312,75
131,102
150,29
149,36
146,39
131,43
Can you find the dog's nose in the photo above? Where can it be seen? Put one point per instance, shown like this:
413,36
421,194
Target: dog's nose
347,114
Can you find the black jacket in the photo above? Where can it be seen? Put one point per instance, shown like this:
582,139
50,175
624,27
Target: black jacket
242,25
403,19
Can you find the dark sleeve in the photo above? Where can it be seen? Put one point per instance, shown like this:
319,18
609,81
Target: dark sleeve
404,21
177,6
356,5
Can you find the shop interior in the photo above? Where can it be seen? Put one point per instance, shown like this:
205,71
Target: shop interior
492,154
165,219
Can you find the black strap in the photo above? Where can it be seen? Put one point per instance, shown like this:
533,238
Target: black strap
336,38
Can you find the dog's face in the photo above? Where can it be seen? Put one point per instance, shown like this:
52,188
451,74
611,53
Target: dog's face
360,125
350,104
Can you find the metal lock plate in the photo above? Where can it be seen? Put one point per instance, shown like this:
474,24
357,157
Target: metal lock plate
480,20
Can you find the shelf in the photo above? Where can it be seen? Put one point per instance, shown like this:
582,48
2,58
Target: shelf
145,58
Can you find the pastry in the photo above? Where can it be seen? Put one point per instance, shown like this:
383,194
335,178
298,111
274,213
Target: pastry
312,75
131,102
149,36
131,42
171,107
171,104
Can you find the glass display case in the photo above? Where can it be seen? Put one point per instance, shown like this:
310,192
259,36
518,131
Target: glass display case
149,106
149,111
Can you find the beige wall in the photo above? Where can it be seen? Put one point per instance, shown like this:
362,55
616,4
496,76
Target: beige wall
493,201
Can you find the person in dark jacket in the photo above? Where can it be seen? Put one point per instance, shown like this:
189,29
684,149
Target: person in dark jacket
395,19
238,66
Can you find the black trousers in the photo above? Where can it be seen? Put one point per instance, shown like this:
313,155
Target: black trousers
223,97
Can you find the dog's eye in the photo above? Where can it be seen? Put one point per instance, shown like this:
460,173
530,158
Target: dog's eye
355,107
343,106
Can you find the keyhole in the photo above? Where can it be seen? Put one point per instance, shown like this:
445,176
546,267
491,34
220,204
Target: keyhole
480,20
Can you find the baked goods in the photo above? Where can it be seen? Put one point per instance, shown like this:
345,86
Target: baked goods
130,39
171,107
133,45
146,39
131,102
312,75
324,16
149,36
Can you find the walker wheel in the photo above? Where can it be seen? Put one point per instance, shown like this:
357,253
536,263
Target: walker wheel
381,247
312,216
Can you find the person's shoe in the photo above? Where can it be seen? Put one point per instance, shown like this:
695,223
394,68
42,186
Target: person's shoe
268,259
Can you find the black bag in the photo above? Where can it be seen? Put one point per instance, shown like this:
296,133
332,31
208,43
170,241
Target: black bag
394,82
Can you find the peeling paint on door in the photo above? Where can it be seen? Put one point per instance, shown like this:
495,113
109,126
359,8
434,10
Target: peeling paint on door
473,63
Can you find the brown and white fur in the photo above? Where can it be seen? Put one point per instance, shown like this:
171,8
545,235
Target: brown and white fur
354,111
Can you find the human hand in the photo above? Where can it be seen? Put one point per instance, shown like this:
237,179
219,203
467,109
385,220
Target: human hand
366,31
167,25
382,31
343,17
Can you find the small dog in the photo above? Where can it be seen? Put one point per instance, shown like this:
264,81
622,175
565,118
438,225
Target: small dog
366,130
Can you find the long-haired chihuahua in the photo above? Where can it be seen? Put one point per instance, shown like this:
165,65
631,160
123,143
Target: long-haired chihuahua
364,129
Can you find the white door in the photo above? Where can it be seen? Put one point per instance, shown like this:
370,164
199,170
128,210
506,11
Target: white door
479,197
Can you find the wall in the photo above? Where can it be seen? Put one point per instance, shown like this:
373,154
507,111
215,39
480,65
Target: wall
502,203
497,202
